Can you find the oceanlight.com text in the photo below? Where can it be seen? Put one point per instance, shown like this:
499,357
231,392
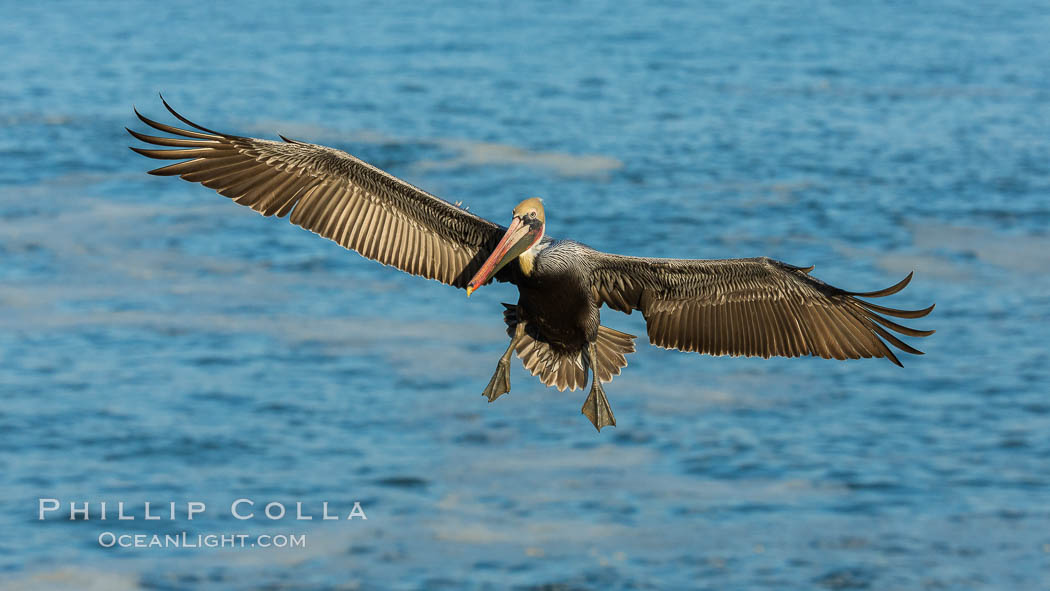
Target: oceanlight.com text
190,541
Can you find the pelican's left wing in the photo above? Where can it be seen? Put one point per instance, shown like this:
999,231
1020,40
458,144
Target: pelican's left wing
333,194
751,307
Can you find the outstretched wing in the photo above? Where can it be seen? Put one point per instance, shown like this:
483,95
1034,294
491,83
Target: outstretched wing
333,194
754,307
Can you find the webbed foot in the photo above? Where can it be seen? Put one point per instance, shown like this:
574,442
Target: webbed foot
500,382
597,408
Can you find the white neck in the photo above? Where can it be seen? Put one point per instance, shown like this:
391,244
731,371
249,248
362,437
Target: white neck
527,259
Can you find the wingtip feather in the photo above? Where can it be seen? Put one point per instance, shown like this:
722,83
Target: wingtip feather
910,314
185,120
893,358
887,291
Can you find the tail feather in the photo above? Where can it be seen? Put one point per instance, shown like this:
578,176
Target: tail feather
568,370
613,348
553,368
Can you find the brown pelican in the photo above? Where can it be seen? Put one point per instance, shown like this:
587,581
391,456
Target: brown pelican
756,306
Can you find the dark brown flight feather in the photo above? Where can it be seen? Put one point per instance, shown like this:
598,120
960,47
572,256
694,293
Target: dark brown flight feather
753,307
330,193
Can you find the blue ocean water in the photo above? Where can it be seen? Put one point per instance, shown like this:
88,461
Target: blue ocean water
162,344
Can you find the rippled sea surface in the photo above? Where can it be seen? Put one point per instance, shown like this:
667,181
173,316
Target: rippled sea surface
160,343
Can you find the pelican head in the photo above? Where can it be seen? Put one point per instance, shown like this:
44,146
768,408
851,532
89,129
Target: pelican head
525,231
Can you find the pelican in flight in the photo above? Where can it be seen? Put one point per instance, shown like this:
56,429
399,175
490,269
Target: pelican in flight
753,307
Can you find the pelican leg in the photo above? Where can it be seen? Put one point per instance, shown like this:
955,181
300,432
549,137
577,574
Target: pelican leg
596,407
500,382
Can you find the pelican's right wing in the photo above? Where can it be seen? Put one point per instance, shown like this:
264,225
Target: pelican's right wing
751,307
333,194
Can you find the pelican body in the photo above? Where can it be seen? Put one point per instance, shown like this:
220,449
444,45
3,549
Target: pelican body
753,307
